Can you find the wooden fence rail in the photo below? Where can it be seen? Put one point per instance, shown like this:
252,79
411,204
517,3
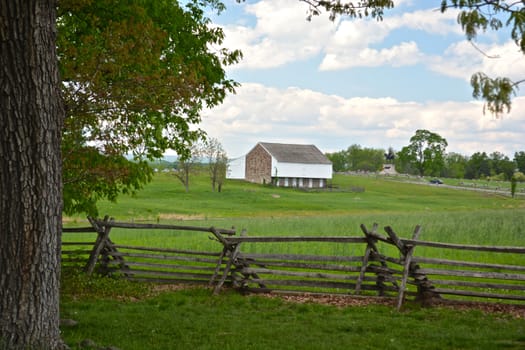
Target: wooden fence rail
369,272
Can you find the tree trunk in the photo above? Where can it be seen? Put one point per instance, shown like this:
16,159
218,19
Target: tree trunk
30,176
213,175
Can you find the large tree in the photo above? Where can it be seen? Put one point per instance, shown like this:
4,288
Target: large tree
425,152
365,159
115,104
30,176
339,160
474,16
136,76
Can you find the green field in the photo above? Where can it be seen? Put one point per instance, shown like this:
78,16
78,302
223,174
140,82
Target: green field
446,214
132,317
165,199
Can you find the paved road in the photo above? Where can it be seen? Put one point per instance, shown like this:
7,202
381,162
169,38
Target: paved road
502,191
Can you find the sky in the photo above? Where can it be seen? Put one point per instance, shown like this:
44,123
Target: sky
366,82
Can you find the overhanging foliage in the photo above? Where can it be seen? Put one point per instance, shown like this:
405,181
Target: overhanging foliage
136,75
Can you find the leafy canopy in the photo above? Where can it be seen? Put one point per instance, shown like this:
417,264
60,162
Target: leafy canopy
475,16
425,152
136,76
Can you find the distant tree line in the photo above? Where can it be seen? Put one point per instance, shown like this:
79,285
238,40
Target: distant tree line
356,158
426,156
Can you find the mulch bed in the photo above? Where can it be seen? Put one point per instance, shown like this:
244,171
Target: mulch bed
515,310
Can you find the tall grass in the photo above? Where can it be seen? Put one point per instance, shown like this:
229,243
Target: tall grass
482,227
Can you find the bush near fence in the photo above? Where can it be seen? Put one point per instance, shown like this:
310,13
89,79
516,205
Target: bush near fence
372,273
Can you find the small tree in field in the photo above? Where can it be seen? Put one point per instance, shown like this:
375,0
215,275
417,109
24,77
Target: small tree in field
513,186
187,165
217,162
519,159
517,177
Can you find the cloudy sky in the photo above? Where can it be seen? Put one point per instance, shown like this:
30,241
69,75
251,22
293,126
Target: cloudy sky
334,84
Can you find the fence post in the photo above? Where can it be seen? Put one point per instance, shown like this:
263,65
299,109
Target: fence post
372,252
232,250
425,288
406,252
226,248
109,250
369,247
102,237
218,266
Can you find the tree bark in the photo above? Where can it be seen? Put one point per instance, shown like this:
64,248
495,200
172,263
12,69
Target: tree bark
30,176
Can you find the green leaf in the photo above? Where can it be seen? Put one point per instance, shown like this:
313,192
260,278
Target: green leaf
497,92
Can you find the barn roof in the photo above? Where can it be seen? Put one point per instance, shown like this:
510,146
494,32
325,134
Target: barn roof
287,153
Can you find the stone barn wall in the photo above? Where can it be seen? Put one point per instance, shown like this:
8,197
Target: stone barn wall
259,166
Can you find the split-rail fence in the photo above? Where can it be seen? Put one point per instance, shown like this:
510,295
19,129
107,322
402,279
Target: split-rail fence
381,265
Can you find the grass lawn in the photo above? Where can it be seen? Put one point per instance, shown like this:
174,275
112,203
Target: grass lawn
193,319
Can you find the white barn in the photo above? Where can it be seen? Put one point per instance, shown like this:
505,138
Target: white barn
286,165
236,168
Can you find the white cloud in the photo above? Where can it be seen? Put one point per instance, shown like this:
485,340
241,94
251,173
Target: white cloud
281,34
462,59
259,113
352,44
398,3
430,21
507,61
406,53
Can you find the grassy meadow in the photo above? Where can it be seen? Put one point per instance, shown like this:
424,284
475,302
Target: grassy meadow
165,199
133,316
446,214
